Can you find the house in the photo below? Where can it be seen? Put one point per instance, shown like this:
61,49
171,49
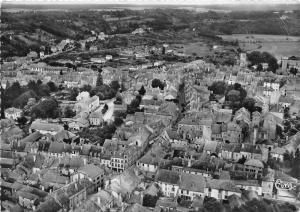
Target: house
190,128
191,186
49,205
13,113
278,153
151,160
168,182
138,31
71,196
96,118
254,166
222,115
104,199
27,199
286,101
271,121
108,57
249,185
273,85
227,151
242,115
221,189
59,149
256,118
86,103
91,172
233,133
232,80
44,127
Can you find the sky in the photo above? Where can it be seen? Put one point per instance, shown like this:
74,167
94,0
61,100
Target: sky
153,2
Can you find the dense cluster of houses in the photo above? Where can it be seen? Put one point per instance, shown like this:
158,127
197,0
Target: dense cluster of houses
204,151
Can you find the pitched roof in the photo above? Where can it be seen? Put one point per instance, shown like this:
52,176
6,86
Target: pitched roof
50,205
226,185
192,182
167,176
56,147
91,170
254,163
32,137
39,125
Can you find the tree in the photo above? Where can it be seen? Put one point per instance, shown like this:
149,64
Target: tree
118,100
295,172
293,71
118,121
87,88
142,91
47,108
233,96
259,67
155,83
210,204
69,113
249,104
218,87
22,120
52,86
104,109
73,94
149,200
22,100
115,85
99,81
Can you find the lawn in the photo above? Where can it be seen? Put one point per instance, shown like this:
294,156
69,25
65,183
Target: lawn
278,45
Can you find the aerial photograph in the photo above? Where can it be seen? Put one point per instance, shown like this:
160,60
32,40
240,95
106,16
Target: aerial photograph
150,105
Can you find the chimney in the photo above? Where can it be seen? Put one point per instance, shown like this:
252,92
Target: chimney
98,200
84,161
254,135
34,158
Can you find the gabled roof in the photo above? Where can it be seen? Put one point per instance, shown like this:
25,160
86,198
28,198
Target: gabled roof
91,170
39,125
226,185
56,147
254,163
167,176
192,182
32,137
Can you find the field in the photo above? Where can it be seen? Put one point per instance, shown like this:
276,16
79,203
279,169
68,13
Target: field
278,45
199,48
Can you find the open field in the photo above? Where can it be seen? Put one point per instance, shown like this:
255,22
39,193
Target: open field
199,48
260,38
278,45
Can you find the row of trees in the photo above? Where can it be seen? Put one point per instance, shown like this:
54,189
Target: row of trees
235,96
16,95
257,58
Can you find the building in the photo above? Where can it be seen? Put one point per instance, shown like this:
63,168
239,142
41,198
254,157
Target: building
221,189
168,182
71,196
45,128
27,200
13,113
91,172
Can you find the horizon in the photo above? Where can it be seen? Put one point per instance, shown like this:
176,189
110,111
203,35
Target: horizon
153,2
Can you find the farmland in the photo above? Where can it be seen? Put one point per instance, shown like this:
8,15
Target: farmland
278,45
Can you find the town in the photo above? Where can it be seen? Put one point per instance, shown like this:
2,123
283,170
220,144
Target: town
94,124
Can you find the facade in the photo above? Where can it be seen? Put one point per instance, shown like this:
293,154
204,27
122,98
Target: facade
12,113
